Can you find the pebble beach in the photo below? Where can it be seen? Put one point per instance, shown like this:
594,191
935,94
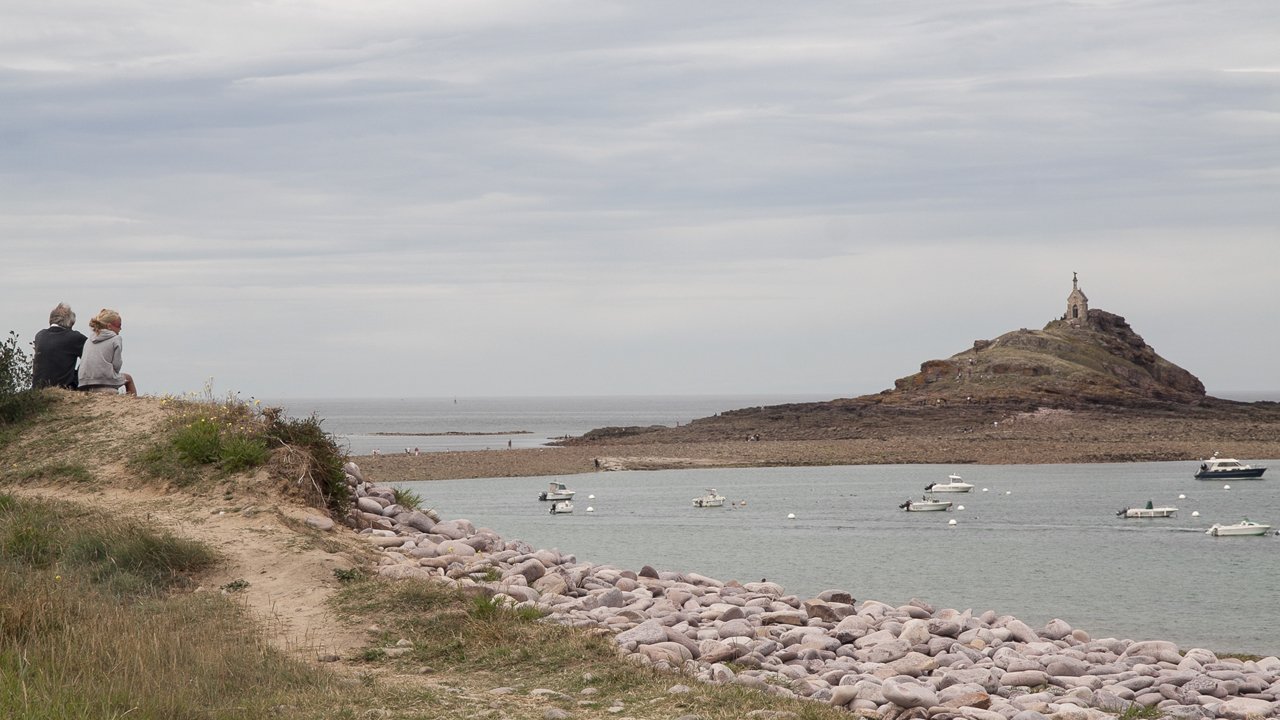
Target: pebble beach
872,658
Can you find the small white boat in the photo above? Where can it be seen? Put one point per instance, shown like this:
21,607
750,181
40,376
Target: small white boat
1150,511
1244,527
925,505
953,485
711,499
561,508
557,491
1227,468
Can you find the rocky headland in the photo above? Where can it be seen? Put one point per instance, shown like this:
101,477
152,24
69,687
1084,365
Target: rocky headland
1074,391
875,659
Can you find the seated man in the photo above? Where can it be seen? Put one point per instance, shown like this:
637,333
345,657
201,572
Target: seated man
57,349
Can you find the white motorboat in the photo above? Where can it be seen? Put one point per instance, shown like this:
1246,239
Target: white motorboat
1150,511
1244,527
561,508
711,499
925,505
557,491
1216,468
953,485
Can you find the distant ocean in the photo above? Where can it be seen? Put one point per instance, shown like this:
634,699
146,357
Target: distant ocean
524,421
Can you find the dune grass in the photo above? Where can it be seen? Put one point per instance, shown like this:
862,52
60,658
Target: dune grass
90,626
486,645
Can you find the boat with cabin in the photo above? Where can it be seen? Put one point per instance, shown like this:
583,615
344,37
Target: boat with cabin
1216,468
1150,511
1242,528
557,491
953,485
711,499
561,508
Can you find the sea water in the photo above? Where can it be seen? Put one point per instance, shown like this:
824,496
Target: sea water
1042,542
523,421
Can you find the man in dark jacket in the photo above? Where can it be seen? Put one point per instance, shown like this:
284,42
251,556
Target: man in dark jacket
57,349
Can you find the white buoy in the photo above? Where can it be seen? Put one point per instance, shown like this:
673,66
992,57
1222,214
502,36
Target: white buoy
791,516
1008,492
1226,487
960,507
591,497
1195,513
1182,497
591,509
951,522
984,489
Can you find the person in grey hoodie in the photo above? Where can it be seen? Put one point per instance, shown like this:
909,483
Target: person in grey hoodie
100,364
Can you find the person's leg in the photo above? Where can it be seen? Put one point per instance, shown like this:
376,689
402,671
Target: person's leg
129,387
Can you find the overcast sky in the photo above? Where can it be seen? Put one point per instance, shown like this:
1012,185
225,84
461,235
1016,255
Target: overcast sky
430,198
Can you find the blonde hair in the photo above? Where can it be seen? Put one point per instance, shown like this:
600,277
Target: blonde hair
104,320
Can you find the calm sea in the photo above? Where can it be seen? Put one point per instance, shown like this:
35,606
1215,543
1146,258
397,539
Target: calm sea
1043,542
525,421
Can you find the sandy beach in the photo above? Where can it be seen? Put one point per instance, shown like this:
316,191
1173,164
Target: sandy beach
1027,438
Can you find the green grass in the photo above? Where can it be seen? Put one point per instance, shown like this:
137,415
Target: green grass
490,645
90,628
73,472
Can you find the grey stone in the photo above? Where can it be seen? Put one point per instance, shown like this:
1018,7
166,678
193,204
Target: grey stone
1055,630
649,632
1029,715
1021,632
1161,650
678,689
530,569
852,628
1065,666
369,505
737,628
612,598
323,524
1241,708
418,521
908,695
556,714
448,529
837,596
1027,678
887,652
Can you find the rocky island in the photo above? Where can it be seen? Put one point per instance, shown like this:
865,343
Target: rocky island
1085,388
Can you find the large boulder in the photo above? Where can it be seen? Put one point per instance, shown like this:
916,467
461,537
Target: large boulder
908,695
531,570
449,529
914,632
852,628
1055,630
1022,632
1161,650
887,652
737,628
1241,708
649,632
1027,678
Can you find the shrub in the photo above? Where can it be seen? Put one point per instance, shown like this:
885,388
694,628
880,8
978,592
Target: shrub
316,454
17,398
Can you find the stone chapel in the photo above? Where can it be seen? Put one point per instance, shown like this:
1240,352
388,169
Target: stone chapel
1077,304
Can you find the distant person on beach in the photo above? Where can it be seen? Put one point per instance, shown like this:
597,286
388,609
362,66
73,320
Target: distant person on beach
100,366
58,347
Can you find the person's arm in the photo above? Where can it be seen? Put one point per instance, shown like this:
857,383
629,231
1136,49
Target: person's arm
117,358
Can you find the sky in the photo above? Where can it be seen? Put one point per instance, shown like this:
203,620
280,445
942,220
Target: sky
427,198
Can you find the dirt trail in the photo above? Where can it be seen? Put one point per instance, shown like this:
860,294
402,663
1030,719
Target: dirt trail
261,534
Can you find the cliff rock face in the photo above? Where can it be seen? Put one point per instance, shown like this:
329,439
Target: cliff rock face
1100,362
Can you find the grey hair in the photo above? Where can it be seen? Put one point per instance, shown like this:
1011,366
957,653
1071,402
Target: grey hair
62,316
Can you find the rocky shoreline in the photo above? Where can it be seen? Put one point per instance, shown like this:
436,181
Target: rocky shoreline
908,662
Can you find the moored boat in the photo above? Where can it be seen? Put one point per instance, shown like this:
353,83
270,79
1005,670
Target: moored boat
711,499
1216,468
1244,527
953,485
925,505
1148,512
561,508
557,491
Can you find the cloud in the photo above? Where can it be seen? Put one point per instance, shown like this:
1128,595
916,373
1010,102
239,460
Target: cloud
519,198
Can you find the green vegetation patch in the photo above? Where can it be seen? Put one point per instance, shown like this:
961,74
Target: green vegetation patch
467,634
89,627
18,401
